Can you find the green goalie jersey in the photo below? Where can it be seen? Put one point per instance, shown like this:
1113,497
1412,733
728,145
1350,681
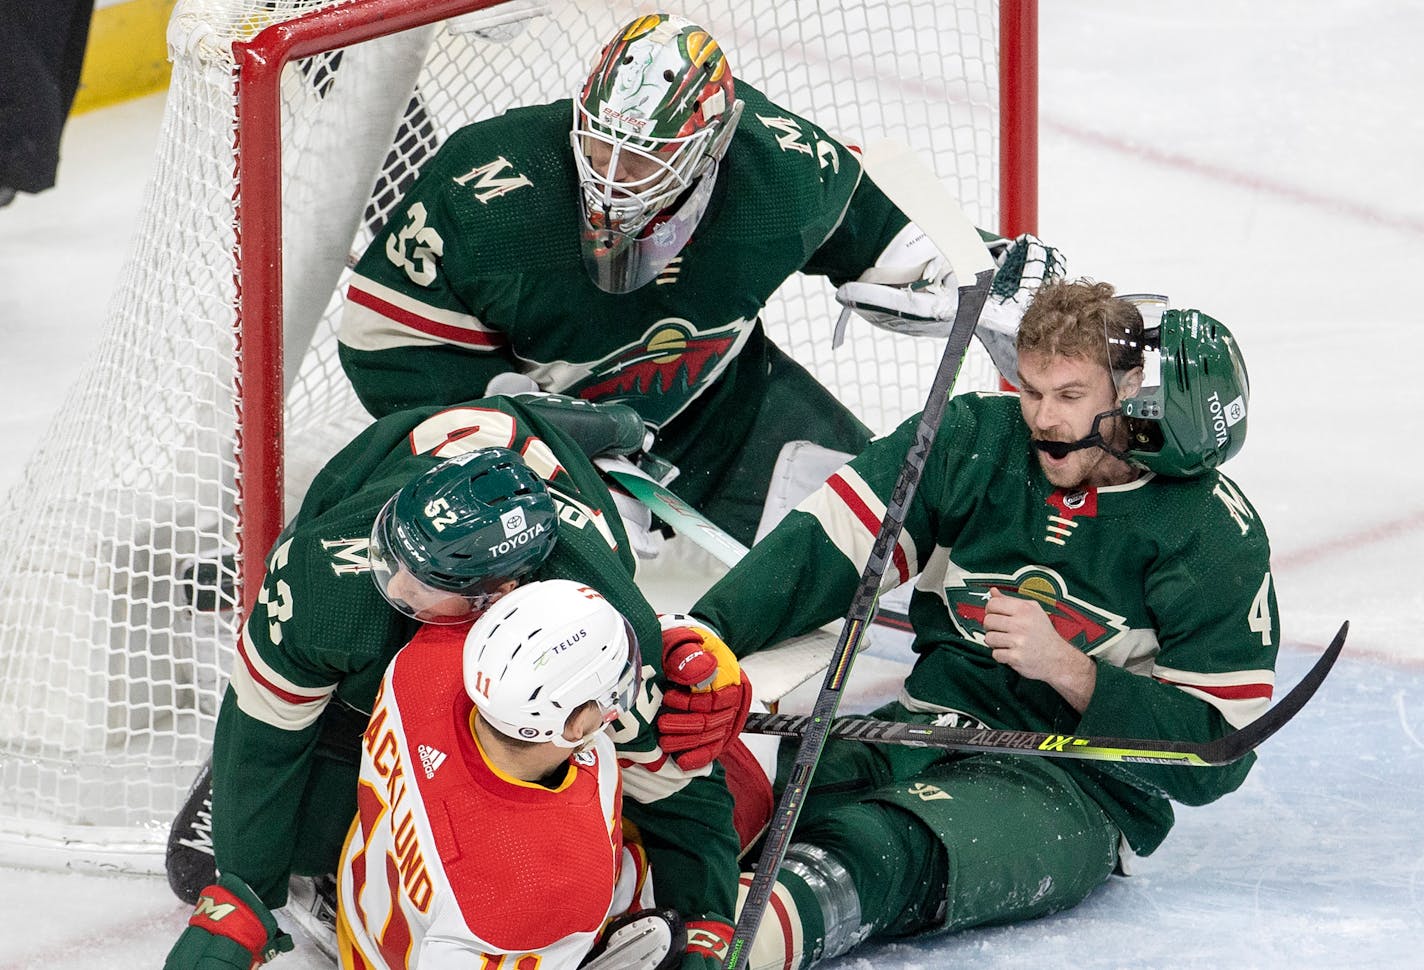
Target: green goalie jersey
313,652
1164,582
479,271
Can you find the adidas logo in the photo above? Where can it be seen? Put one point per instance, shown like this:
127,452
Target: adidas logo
430,759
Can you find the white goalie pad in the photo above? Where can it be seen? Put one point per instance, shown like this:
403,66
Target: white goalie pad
785,678
801,468
778,670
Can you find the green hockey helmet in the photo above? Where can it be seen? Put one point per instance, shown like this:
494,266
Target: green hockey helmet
1189,415
447,542
650,127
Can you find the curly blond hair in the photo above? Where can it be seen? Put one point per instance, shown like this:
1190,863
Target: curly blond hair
1075,319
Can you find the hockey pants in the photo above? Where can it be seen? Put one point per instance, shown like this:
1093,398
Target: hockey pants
935,843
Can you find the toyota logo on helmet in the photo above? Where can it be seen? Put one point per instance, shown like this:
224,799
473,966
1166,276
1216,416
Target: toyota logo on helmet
465,528
1190,414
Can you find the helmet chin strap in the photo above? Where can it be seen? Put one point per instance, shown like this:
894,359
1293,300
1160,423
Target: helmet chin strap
1094,439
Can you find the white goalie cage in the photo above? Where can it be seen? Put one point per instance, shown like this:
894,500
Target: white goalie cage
122,549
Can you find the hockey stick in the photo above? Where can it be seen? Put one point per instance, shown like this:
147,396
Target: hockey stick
1224,750
915,189
664,503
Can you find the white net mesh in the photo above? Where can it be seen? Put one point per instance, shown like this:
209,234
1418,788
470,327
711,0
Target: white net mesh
118,548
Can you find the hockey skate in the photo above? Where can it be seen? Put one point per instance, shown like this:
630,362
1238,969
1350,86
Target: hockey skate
311,906
649,939
189,860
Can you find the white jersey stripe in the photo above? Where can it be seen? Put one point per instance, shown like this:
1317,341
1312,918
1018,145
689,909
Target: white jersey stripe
1240,695
1238,712
850,514
266,695
650,776
378,318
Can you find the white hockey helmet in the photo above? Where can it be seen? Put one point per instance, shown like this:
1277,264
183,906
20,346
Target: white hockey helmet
544,650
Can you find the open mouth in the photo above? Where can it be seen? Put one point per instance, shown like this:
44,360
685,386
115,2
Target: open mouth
1059,450
1053,452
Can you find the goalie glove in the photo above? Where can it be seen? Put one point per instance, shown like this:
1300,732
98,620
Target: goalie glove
706,696
230,929
911,289
1025,264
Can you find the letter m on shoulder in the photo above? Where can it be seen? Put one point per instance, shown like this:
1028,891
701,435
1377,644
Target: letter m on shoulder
490,182
1235,504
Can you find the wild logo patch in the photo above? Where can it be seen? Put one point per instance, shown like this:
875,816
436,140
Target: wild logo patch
660,370
1082,624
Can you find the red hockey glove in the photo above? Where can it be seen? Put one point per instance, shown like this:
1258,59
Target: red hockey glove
706,698
230,929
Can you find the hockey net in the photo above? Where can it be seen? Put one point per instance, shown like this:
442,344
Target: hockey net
214,394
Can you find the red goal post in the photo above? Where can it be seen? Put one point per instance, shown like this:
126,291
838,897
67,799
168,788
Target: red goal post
261,62
135,541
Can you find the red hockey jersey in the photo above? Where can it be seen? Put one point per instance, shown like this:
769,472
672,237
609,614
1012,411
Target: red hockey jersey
451,862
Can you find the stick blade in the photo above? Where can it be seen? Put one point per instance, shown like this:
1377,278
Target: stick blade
1236,745
917,191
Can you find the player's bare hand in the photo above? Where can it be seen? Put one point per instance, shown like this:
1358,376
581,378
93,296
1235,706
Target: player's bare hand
1021,635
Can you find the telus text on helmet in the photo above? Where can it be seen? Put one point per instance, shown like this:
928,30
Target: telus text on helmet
515,541
564,644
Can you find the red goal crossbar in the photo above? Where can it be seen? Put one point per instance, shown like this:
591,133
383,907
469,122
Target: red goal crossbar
260,61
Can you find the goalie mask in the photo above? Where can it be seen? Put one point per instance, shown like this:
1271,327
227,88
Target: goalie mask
544,651
650,128
1189,415
445,544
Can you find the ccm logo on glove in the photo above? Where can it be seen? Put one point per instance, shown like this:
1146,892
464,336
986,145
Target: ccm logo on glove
706,699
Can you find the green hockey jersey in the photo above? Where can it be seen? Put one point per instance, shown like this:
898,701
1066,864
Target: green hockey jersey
479,271
312,654
1164,582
